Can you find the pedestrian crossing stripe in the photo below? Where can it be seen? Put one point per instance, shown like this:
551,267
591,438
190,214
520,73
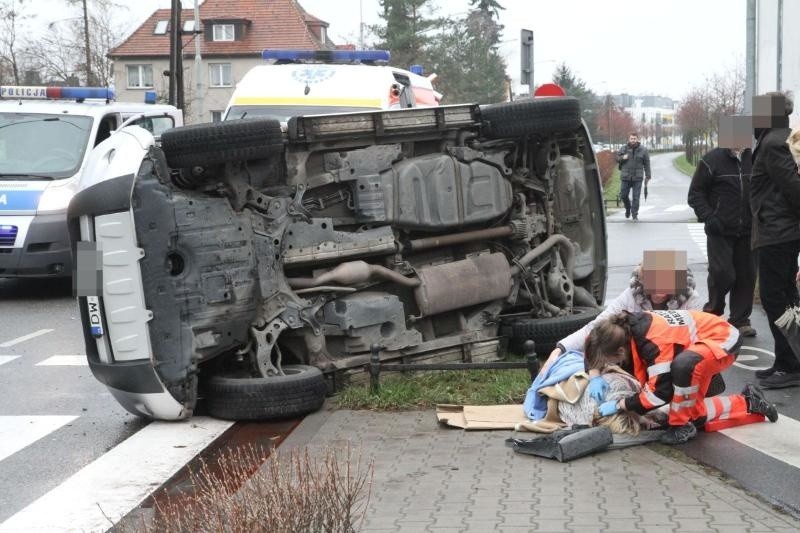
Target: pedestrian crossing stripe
18,432
29,336
7,358
64,360
107,489
677,208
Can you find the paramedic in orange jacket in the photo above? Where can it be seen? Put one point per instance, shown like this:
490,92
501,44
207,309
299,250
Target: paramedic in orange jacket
673,354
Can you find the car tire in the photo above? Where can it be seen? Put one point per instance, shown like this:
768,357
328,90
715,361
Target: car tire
546,332
299,392
221,142
530,116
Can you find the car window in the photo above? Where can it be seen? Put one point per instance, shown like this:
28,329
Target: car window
43,144
155,125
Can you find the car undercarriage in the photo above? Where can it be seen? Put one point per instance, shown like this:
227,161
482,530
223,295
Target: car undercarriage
430,234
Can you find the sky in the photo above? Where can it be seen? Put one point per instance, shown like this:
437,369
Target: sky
616,46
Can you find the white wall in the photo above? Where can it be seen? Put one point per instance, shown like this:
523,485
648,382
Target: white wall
767,50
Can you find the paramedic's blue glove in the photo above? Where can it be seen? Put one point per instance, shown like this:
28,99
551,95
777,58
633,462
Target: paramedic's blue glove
598,388
608,408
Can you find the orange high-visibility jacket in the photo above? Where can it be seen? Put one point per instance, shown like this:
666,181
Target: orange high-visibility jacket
659,336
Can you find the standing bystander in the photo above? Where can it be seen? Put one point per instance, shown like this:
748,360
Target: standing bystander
720,196
634,167
775,202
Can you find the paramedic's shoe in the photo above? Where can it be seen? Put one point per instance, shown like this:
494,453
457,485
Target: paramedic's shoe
757,402
679,434
780,380
627,213
747,331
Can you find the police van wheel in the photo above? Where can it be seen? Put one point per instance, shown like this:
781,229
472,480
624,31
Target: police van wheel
529,117
200,145
234,397
545,332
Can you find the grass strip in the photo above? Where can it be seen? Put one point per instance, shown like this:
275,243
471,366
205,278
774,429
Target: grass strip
423,390
683,165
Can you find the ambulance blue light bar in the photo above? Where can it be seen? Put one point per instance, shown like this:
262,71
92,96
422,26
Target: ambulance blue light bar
331,56
56,93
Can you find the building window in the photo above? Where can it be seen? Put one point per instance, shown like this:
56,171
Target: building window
223,32
140,76
161,27
216,116
323,34
221,75
188,26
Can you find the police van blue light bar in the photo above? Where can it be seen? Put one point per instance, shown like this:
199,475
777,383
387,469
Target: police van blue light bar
56,93
332,56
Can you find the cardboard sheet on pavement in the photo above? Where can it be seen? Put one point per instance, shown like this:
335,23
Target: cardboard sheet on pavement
481,417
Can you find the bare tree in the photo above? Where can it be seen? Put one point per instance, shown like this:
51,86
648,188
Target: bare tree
11,47
78,47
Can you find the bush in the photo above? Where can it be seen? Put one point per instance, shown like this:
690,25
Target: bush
289,494
606,165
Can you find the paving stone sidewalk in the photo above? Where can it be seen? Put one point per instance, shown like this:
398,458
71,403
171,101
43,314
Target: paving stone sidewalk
433,479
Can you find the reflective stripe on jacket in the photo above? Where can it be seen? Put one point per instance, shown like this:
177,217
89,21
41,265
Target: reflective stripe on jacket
658,336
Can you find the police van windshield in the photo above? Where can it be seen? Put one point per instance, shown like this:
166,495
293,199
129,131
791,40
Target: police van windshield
39,144
284,113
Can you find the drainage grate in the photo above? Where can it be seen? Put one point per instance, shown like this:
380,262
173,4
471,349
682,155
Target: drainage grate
8,234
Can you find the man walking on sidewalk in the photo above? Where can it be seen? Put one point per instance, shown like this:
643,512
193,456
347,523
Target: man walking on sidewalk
720,196
775,202
634,167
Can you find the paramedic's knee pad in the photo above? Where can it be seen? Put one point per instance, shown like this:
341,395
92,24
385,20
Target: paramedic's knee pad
683,366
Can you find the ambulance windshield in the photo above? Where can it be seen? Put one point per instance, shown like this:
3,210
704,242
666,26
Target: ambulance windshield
44,145
284,113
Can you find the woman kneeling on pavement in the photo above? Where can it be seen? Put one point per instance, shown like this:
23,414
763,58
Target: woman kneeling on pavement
673,354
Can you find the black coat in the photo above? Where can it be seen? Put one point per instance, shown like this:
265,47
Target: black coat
720,192
774,190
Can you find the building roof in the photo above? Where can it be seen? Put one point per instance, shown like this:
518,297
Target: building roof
270,24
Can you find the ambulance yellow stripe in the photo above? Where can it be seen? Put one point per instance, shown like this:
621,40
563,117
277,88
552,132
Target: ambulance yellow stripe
272,100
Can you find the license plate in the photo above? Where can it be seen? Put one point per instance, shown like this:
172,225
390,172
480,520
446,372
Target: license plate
95,316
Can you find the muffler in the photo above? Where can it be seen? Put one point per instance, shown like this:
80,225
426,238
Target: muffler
474,280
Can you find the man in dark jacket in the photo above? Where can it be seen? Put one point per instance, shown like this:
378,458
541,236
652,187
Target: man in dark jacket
634,166
775,202
720,196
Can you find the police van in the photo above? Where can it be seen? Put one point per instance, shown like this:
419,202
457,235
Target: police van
306,82
46,134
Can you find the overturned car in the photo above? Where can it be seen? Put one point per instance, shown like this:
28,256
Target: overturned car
254,266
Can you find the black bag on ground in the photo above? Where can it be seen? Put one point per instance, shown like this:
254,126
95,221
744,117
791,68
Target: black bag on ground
566,444
789,324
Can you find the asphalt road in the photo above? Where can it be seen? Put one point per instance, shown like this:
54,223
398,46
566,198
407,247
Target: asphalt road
57,421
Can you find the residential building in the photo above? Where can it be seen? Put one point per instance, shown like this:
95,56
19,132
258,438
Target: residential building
654,117
232,35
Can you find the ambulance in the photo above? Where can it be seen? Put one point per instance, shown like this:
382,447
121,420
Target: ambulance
312,82
46,134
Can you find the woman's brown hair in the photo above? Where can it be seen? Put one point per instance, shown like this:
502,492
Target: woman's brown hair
607,337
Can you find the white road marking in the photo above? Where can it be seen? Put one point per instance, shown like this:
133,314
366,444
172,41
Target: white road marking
7,358
24,338
643,208
677,208
778,440
698,235
111,486
743,358
17,432
64,360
